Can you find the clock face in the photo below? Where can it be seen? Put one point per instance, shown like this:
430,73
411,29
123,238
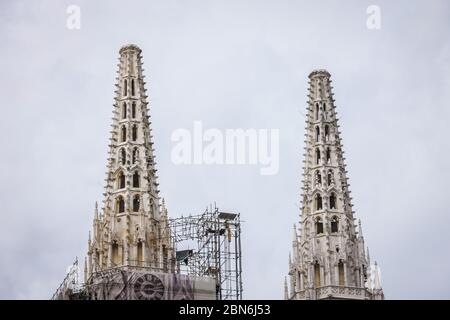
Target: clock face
149,287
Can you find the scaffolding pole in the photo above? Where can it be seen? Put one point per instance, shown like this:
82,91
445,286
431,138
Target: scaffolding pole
215,237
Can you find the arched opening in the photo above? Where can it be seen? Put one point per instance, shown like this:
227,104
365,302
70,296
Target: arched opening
120,205
327,133
135,155
319,225
133,110
123,134
318,202
317,111
328,155
120,180
125,85
317,134
364,269
134,133
316,275
139,257
124,110
334,224
123,156
136,203
115,254
132,87
136,180
341,273
317,156
330,177
333,201
165,257
318,177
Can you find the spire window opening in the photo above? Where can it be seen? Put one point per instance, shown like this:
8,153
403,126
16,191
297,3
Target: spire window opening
333,201
335,227
328,155
120,205
140,259
165,258
318,178
115,254
317,275
341,273
364,271
132,87
136,179
136,203
317,156
330,177
134,133
317,111
318,202
319,226
133,110
123,134
135,155
327,133
124,110
125,87
123,156
121,180
317,134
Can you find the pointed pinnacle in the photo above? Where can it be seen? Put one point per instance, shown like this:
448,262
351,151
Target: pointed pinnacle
360,228
96,211
295,234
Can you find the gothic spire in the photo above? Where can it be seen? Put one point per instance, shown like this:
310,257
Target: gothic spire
132,213
329,252
96,211
294,235
286,290
360,233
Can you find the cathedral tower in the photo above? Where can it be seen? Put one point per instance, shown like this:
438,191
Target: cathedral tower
131,231
329,259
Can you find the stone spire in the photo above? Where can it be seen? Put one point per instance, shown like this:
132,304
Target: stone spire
286,290
330,253
128,232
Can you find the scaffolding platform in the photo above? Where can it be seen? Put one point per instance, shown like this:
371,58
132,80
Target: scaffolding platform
208,251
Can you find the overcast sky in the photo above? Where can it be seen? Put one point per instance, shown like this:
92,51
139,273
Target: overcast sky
230,64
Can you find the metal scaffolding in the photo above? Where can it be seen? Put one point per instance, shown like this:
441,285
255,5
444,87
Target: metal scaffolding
209,244
206,245
70,288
